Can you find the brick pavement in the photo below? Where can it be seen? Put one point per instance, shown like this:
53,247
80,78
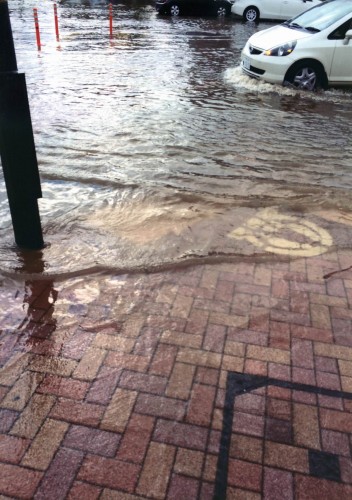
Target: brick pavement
229,381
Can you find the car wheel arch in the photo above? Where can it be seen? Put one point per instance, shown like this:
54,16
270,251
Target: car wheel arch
309,61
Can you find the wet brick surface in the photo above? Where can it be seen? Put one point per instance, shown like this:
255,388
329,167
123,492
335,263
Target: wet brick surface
116,387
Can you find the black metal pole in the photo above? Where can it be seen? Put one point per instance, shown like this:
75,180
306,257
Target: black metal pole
7,48
17,149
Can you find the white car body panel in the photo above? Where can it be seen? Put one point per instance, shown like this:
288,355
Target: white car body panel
341,64
274,9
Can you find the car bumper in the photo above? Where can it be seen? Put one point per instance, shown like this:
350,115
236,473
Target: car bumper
268,68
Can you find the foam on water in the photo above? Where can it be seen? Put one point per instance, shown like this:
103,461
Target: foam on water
242,82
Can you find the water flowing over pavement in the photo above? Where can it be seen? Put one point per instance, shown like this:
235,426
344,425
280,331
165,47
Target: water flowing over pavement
187,331
153,148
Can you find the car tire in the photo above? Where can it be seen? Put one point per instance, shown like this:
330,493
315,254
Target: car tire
221,11
306,75
251,14
174,10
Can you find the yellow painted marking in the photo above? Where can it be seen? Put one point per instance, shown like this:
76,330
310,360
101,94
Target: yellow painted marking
263,231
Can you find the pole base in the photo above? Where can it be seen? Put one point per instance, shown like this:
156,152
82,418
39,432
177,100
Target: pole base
26,224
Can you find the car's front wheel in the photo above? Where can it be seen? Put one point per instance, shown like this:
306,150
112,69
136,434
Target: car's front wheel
175,10
251,14
221,11
306,75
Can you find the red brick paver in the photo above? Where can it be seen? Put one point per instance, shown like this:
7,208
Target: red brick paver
116,404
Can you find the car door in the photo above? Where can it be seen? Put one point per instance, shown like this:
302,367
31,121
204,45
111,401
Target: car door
200,7
341,66
291,8
269,9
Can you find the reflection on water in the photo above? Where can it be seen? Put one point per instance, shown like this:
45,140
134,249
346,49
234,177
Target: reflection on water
39,305
153,147
27,311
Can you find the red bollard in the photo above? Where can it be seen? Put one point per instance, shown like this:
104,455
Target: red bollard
110,18
36,24
56,23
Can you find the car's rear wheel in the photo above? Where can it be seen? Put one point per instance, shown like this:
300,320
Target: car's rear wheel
251,14
306,75
221,11
175,10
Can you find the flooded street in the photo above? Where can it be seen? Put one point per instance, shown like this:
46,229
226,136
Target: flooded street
154,150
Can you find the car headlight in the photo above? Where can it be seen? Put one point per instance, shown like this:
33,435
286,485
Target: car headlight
281,50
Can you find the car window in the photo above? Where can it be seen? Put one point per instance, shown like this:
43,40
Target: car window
324,15
339,33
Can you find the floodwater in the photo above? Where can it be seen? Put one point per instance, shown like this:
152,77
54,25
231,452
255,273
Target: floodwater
154,150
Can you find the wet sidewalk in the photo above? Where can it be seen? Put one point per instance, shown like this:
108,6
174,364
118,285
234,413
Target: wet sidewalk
218,381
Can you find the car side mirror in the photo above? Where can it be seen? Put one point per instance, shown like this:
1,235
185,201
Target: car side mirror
348,36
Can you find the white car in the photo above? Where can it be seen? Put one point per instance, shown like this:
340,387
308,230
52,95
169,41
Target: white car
311,51
253,10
